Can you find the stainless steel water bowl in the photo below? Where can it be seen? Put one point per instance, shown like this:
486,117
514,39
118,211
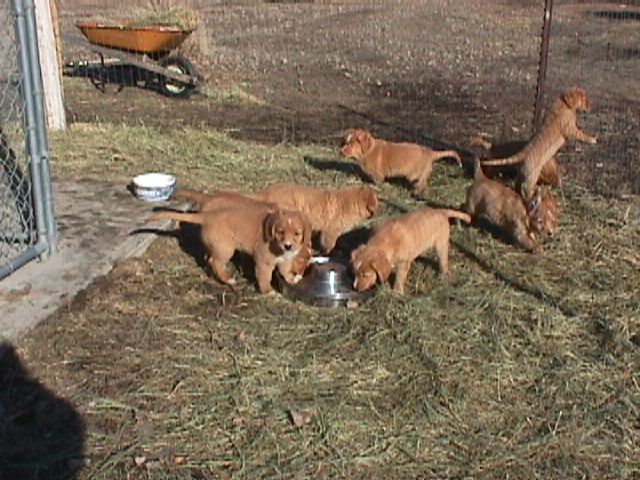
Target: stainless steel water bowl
327,282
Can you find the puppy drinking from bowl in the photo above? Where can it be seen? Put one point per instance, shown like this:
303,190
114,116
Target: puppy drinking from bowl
397,242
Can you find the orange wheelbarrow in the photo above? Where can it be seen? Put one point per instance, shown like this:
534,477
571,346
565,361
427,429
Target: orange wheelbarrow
149,49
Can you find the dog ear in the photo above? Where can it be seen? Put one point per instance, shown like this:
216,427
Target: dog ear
382,267
533,205
354,257
365,139
371,199
269,225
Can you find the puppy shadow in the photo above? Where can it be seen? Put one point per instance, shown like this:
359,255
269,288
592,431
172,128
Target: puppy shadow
348,242
41,435
347,167
188,237
400,182
494,231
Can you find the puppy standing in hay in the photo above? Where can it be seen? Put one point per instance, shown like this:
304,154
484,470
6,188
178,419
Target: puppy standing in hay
291,270
504,208
271,236
397,242
332,212
559,125
381,159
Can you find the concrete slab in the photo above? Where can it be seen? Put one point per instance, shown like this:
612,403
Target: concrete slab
95,223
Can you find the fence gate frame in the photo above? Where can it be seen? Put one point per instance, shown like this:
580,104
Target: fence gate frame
36,144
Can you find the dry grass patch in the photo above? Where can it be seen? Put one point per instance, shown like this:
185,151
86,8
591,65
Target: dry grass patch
519,367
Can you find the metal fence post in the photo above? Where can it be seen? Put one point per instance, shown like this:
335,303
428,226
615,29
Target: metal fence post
542,68
40,128
41,235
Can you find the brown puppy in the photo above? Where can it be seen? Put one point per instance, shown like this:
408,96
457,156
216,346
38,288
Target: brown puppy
271,236
397,242
551,174
381,159
544,213
505,209
559,125
331,211
291,271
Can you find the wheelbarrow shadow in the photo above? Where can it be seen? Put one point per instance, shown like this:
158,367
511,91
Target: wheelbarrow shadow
120,75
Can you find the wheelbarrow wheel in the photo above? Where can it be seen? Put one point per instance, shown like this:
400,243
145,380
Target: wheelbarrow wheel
172,88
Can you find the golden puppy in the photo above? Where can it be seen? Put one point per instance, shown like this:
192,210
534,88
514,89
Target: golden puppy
559,125
381,159
397,242
292,270
271,236
332,212
505,209
544,211
551,173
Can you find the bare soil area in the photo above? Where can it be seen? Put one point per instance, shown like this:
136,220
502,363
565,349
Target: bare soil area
436,72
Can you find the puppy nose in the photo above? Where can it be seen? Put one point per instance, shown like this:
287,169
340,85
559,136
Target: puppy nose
288,246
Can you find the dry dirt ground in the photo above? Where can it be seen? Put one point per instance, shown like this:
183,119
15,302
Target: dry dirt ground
520,367
435,72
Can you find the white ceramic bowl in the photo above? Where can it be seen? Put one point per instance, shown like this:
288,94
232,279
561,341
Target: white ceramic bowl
154,187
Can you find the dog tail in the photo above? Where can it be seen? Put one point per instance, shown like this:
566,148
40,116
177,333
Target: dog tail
503,162
191,196
465,217
440,154
197,218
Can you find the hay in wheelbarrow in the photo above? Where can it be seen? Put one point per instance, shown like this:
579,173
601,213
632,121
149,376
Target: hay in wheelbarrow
176,17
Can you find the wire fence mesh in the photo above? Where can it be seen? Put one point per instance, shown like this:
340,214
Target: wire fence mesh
596,45
17,221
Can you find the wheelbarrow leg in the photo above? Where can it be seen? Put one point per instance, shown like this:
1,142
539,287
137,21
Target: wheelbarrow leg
100,82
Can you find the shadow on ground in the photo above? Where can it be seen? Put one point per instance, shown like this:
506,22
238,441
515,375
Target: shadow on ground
41,435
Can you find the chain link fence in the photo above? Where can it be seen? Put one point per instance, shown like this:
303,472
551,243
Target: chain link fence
27,227
16,213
